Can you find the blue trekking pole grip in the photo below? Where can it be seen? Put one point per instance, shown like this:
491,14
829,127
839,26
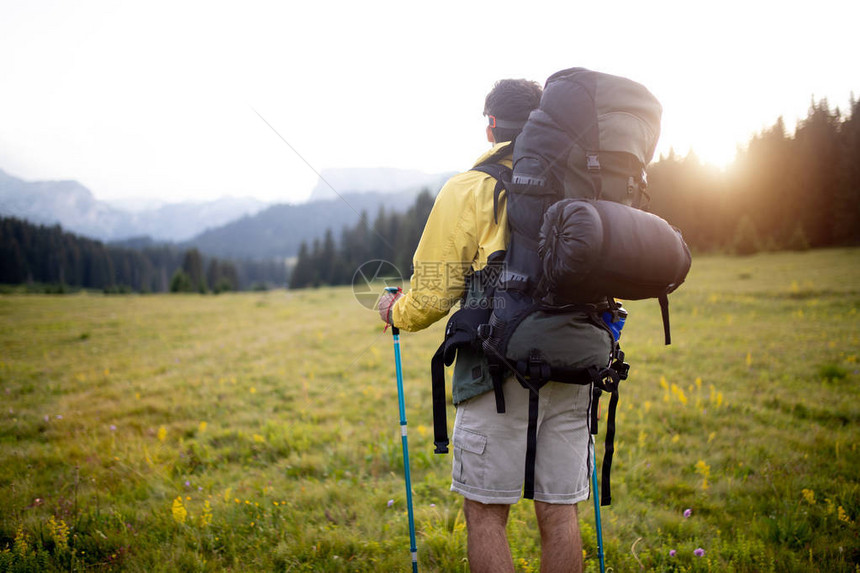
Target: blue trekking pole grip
413,548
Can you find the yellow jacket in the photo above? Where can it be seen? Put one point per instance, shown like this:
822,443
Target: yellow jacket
460,234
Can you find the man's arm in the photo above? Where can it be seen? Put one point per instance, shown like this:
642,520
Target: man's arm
444,256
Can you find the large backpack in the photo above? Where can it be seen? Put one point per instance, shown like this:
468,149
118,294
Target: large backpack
578,239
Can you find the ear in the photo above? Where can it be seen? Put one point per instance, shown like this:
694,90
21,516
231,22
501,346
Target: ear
490,137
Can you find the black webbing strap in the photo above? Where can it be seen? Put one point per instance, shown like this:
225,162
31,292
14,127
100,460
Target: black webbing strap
606,380
606,493
664,311
501,174
531,446
498,381
595,408
459,333
440,416
539,374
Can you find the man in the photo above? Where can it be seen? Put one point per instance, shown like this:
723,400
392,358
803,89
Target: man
462,234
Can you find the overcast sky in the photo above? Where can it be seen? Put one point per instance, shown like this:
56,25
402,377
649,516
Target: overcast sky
160,99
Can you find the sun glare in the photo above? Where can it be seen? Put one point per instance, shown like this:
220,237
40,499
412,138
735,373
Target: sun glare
712,144
715,154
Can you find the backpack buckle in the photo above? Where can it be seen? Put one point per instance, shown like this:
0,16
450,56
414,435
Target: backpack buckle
592,162
538,369
485,331
622,368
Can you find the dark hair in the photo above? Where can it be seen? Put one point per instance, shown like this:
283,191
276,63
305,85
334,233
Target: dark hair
511,101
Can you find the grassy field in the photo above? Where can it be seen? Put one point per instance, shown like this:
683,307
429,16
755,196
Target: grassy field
259,432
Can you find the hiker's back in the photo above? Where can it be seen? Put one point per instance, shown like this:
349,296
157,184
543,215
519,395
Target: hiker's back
577,241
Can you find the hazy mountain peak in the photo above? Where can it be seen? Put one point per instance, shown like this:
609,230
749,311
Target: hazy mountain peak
352,180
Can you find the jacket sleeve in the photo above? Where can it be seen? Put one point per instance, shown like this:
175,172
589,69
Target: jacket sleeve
444,256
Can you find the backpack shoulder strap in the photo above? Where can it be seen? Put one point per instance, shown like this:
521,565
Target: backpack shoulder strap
502,175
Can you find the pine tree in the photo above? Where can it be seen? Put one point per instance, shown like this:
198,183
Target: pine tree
302,274
192,265
328,259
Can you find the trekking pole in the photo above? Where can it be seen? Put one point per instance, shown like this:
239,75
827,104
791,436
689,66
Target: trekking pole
598,527
413,548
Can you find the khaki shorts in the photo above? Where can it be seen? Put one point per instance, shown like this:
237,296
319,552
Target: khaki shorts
490,448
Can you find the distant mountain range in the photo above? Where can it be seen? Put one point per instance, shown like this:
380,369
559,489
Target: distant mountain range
280,230
227,227
75,208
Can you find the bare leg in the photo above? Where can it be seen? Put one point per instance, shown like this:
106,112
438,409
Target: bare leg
487,540
561,544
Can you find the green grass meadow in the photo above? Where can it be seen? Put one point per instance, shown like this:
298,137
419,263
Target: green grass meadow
259,432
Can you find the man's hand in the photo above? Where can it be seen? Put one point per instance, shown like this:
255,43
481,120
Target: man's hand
386,302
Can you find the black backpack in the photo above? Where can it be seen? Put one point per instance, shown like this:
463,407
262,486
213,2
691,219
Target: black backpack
578,239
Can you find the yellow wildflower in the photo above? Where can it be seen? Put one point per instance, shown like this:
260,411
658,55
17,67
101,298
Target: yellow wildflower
59,532
809,496
682,398
206,516
842,516
21,546
162,433
703,470
202,427
179,511
259,439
